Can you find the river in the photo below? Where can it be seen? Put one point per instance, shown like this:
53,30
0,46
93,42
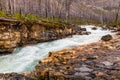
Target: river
24,59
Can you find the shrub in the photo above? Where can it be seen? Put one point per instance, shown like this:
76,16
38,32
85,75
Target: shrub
113,23
19,16
3,14
30,18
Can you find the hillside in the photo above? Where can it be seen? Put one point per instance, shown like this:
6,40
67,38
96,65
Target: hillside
99,10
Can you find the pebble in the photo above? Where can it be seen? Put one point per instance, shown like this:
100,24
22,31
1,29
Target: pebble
81,74
106,63
83,69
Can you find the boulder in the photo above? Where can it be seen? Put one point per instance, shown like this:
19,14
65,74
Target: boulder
105,28
83,29
106,38
94,28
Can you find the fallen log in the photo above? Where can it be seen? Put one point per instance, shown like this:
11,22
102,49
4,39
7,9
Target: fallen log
4,21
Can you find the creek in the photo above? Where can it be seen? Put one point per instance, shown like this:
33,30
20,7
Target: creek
24,59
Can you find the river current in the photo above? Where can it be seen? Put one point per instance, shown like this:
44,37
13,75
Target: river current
24,59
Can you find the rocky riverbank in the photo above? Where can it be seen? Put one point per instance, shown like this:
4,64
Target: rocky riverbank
96,61
17,33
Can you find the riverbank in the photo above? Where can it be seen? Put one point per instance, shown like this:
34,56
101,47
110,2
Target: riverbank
100,60
94,61
15,33
89,62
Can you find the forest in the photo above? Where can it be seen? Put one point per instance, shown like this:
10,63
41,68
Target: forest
99,11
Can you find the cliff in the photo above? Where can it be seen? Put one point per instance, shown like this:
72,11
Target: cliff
17,33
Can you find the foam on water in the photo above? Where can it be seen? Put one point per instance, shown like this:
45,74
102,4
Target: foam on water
24,59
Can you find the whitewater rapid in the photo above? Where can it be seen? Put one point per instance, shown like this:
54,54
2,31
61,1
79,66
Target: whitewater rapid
24,59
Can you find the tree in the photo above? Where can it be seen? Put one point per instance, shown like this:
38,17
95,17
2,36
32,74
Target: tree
46,8
40,7
68,6
117,13
0,4
9,7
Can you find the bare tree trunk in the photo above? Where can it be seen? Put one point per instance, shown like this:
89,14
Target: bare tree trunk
9,7
39,3
117,14
68,7
46,8
0,4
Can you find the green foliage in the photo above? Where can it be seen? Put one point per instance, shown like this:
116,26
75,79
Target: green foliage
48,24
83,21
56,20
3,14
31,18
27,18
118,22
49,19
45,19
18,16
113,23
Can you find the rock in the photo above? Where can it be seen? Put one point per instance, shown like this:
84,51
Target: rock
83,29
88,62
14,76
99,74
84,33
106,38
106,63
83,69
15,33
88,33
84,59
94,28
104,28
81,74
46,60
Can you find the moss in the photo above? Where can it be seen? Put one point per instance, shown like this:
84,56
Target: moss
27,18
115,23
3,14
54,25
18,16
84,22
31,18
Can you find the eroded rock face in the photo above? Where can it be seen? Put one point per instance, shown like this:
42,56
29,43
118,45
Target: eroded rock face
9,38
14,34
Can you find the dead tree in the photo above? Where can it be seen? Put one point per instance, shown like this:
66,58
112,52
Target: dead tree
46,8
68,7
117,13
